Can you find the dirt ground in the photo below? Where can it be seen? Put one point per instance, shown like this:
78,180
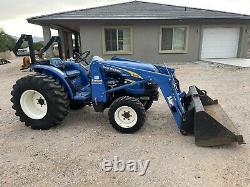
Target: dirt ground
70,154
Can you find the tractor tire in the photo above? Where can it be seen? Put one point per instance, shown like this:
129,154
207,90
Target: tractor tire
76,105
40,101
147,104
127,114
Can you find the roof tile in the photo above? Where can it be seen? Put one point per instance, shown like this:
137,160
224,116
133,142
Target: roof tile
139,10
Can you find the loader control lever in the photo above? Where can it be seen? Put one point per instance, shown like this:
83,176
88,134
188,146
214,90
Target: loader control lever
82,57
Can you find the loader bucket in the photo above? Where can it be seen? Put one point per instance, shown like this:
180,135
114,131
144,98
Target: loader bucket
211,125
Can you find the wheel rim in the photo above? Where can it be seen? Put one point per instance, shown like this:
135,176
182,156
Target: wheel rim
33,104
125,117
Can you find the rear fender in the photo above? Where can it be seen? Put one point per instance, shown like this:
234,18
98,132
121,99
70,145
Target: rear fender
57,74
77,66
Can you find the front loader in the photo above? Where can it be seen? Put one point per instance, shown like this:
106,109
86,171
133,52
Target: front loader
126,87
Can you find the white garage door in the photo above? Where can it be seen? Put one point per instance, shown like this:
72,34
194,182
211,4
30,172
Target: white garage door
220,42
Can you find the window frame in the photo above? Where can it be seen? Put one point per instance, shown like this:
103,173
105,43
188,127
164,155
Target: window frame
123,52
173,50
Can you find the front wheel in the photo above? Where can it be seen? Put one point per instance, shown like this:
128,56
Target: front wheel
127,114
40,101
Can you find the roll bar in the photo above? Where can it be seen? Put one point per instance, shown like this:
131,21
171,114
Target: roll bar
32,53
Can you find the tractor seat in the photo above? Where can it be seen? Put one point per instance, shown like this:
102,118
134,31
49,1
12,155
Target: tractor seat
63,66
72,73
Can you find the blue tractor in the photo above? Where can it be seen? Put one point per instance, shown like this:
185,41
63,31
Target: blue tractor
126,87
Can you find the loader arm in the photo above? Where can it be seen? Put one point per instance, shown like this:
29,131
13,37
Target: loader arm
165,82
191,111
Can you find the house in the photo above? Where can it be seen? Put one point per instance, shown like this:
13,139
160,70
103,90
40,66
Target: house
150,31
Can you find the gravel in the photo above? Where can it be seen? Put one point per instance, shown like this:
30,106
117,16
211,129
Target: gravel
70,154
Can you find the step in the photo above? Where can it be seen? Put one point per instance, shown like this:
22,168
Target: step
84,94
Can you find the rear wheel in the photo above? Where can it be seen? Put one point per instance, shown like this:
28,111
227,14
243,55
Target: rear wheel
40,101
127,114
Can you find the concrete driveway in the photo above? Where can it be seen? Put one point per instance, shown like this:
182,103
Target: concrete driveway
239,62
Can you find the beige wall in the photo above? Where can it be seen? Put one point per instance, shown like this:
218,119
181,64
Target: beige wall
146,41
244,41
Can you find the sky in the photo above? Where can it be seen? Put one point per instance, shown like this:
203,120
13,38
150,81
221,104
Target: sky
14,21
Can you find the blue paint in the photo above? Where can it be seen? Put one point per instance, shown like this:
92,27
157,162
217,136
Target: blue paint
94,86
56,73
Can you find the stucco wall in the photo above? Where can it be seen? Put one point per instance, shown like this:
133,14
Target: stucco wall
146,41
244,41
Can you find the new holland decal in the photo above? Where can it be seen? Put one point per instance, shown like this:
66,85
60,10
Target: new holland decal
96,80
119,70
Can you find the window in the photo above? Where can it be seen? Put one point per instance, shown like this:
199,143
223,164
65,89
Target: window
173,39
117,40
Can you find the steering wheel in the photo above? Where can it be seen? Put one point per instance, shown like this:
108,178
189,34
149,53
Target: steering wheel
81,57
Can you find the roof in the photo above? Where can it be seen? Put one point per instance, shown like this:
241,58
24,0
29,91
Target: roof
138,10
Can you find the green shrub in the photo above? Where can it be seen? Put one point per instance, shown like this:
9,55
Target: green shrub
38,45
7,42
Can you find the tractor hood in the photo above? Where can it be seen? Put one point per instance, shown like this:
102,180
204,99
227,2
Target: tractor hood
126,63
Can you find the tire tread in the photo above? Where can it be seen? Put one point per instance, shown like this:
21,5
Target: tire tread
131,102
54,90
